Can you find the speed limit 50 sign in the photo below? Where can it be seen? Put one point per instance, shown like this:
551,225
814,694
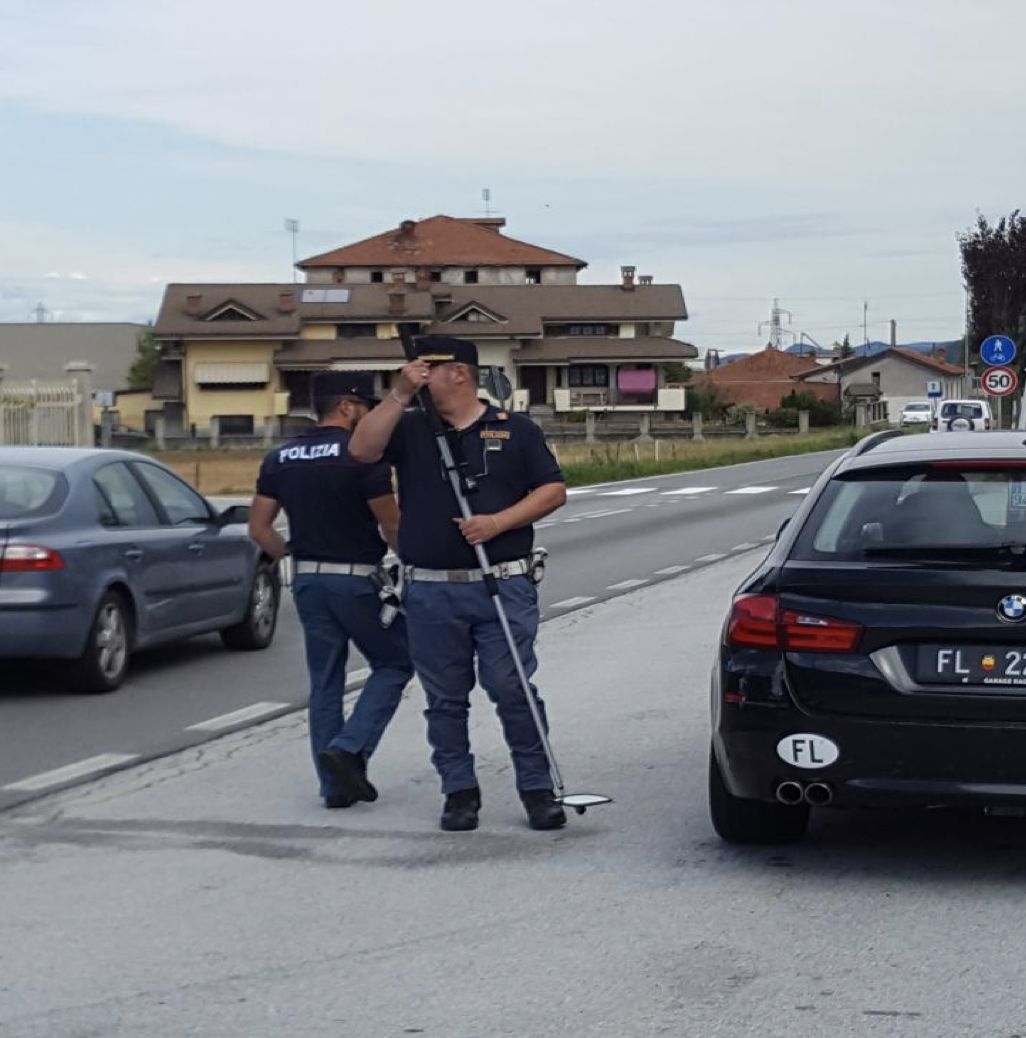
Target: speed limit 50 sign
999,381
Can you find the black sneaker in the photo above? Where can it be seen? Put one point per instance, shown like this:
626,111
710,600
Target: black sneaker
338,801
543,810
370,793
459,814
347,769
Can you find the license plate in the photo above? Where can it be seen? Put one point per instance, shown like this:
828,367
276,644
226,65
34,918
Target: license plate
971,665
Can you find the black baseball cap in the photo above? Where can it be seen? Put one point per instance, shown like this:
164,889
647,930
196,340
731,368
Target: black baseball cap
357,384
444,349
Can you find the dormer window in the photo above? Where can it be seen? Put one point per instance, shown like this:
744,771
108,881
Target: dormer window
231,311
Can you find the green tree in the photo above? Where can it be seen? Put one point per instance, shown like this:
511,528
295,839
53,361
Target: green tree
994,269
674,371
846,347
147,353
706,398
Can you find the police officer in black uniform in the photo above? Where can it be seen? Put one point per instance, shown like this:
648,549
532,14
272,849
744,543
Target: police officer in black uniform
449,615
335,507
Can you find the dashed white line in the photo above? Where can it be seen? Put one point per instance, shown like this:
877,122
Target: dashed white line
752,490
628,492
714,557
598,515
579,490
80,769
804,490
570,603
687,490
669,571
246,713
747,546
625,584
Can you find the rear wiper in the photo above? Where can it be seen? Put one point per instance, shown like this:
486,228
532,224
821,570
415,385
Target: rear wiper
1002,547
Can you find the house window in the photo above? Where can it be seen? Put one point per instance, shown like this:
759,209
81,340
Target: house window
230,313
470,277
589,375
236,425
436,275
377,277
875,376
357,331
533,275
598,330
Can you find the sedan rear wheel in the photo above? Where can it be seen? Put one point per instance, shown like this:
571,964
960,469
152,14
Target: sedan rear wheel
752,821
103,665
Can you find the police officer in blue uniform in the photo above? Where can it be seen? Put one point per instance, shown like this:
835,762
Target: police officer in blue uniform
335,507
449,615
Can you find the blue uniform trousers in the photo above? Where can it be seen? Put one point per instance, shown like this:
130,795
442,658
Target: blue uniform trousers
334,610
448,624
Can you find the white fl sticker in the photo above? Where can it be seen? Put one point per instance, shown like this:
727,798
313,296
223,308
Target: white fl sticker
804,750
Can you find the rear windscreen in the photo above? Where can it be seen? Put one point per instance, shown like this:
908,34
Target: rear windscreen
27,492
951,410
947,504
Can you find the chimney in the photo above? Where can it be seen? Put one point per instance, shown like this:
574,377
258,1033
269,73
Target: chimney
397,303
423,279
286,302
398,278
406,228
627,275
941,354
645,279
193,305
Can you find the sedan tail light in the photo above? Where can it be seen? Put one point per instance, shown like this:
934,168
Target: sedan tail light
29,558
758,622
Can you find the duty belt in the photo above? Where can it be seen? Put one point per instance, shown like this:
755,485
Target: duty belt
344,569
502,570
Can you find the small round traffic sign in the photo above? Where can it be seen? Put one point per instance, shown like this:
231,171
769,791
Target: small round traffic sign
999,381
997,350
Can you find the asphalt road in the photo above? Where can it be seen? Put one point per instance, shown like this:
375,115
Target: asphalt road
209,894
607,541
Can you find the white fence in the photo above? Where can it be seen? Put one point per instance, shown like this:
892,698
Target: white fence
45,414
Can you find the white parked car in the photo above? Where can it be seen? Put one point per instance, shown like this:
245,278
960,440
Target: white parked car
916,412
963,416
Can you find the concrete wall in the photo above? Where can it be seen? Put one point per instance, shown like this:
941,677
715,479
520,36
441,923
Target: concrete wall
132,408
201,403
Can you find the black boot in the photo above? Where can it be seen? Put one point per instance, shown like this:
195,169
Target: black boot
347,769
459,814
543,810
370,793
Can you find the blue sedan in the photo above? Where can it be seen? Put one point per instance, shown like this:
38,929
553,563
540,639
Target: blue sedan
104,552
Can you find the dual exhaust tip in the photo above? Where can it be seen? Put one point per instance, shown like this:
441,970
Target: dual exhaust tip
816,794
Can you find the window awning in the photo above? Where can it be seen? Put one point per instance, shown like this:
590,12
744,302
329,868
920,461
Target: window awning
635,380
233,373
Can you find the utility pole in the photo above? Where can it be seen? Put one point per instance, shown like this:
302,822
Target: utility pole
865,322
292,226
776,329
40,313
894,333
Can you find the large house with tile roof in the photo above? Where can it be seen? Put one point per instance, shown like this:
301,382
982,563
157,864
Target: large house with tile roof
243,353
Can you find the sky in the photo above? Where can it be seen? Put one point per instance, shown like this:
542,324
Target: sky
825,154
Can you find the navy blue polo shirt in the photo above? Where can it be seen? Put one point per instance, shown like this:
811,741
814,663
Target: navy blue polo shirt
324,493
508,457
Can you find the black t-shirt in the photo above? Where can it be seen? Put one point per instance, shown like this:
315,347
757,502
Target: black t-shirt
508,457
324,493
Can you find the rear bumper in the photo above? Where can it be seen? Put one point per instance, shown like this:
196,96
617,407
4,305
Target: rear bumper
879,762
52,633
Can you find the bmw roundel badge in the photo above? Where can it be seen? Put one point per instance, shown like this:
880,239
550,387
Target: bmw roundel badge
1012,609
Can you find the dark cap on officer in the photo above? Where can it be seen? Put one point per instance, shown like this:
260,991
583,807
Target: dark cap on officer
444,349
359,385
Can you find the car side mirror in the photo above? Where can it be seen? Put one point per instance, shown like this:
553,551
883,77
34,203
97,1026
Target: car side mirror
233,515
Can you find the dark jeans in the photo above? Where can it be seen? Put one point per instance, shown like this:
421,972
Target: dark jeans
335,610
450,624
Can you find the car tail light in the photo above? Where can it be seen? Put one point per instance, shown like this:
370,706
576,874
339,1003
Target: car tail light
29,558
758,622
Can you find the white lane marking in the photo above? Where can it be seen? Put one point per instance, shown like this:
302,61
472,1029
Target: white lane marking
804,490
625,584
747,546
597,515
687,490
628,491
714,557
246,713
541,526
569,603
752,490
580,490
671,570
80,769
768,537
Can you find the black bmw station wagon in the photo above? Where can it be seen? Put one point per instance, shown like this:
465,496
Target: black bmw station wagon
878,653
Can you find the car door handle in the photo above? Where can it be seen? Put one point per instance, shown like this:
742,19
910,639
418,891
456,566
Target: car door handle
196,548
134,554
